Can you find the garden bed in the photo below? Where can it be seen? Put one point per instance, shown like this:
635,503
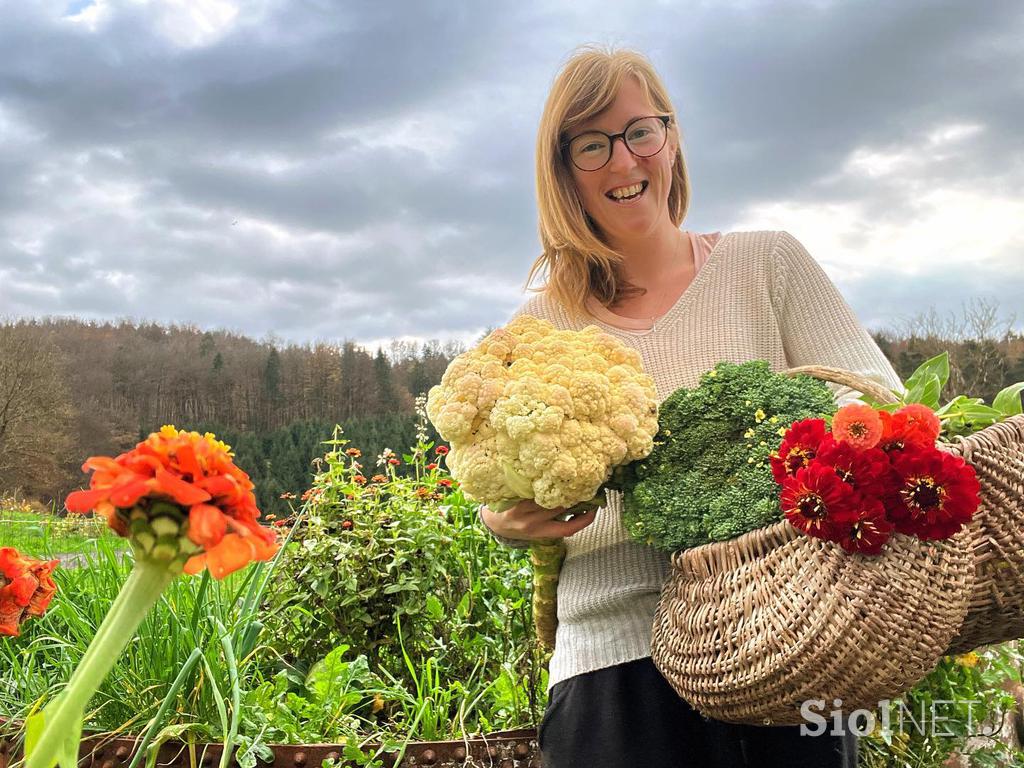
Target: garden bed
503,749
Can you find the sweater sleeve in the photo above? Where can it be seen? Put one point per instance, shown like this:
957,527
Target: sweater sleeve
818,327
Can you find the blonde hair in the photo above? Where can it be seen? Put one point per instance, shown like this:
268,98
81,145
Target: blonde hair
578,263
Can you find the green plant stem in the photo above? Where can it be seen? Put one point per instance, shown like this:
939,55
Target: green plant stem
139,594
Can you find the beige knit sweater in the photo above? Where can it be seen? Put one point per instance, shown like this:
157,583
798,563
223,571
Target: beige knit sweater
759,296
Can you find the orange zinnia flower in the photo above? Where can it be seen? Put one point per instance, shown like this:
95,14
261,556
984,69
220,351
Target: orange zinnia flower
177,494
857,424
26,588
922,425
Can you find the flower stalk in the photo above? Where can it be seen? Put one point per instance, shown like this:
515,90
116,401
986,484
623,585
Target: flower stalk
57,728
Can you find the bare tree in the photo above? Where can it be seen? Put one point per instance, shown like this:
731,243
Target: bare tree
35,410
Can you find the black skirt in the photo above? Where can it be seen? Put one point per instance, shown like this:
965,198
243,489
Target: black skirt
628,715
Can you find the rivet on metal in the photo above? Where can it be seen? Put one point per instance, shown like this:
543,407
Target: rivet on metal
332,755
108,764
459,753
492,751
122,752
428,757
521,750
299,759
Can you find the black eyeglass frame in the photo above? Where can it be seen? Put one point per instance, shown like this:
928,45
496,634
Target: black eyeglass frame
666,119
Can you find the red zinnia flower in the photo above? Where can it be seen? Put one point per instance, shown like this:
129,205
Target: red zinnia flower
346,524
359,480
869,531
868,472
445,482
393,462
431,466
815,500
857,424
26,588
441,450
799,446
937,492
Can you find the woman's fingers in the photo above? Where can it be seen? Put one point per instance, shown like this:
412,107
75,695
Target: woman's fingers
560,529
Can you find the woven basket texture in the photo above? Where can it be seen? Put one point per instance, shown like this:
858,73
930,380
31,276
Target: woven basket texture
996,610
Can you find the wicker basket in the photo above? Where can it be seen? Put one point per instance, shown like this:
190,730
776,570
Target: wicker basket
748,629
996,611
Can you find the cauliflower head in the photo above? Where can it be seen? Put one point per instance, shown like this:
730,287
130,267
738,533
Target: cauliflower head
535,412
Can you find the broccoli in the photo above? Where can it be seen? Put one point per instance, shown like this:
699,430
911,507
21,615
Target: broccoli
708,477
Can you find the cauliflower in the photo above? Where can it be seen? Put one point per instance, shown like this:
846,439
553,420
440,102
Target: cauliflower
537,413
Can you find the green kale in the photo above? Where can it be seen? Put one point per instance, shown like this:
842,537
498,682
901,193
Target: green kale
709,477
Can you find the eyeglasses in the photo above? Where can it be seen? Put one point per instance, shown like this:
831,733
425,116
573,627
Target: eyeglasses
644,137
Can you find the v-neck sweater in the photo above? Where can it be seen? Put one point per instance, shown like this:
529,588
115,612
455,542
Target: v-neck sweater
759,296
702,245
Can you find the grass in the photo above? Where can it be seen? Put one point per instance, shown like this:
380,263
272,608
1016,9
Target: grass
45,535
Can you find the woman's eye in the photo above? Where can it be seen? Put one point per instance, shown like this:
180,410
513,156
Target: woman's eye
640,133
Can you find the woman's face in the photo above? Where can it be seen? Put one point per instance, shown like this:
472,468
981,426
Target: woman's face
622,221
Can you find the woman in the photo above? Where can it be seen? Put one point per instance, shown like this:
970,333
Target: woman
612,191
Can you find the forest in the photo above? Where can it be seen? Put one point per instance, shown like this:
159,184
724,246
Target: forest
72,388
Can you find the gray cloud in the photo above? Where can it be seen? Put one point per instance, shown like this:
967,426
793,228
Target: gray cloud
324,170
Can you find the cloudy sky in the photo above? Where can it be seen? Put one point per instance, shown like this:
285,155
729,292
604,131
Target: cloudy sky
324,170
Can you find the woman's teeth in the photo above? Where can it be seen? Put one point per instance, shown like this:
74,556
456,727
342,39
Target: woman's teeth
626,194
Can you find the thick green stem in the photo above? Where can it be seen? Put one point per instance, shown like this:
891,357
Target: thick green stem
63,716
547,556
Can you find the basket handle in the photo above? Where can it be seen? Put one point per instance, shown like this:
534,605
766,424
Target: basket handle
848,378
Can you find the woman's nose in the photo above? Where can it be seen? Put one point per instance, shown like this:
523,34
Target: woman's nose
621,158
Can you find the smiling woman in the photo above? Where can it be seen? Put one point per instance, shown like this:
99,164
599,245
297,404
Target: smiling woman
613,190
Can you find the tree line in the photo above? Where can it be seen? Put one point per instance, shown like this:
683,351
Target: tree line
71,388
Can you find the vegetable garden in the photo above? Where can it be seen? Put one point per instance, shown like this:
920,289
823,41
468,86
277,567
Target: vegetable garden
387,615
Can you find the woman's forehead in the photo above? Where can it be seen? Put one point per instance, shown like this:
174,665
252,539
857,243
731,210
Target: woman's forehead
630,102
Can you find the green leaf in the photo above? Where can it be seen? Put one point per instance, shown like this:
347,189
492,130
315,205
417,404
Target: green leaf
951,406
925,390
1007,402
67,752
462,611
434,608
980,413
937,366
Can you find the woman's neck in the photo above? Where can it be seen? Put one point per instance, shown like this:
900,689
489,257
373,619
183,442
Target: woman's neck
648,260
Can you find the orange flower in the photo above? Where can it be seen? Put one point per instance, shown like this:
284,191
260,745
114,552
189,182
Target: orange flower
922,425
175,493
379,479
26,588
857,424
355,453
359,480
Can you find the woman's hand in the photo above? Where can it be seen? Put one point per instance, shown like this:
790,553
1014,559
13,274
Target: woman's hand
528,520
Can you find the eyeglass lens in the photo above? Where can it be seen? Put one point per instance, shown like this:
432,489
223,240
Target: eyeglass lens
644,137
